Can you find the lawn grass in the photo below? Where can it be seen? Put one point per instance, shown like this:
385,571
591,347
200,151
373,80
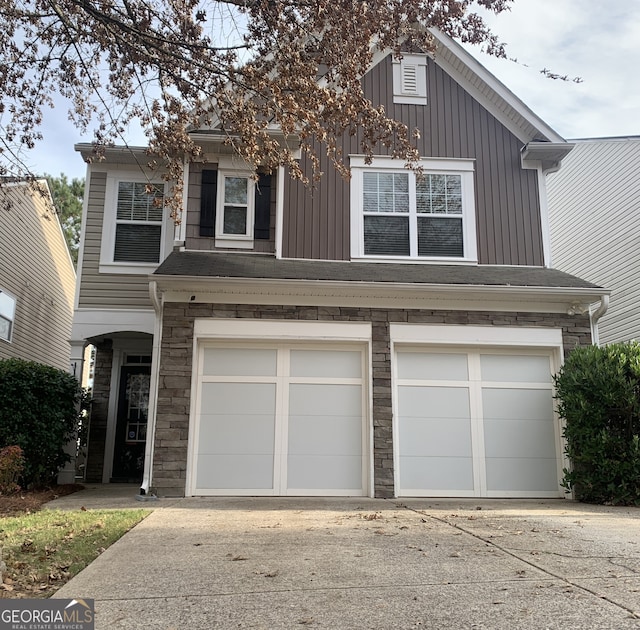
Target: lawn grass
43,550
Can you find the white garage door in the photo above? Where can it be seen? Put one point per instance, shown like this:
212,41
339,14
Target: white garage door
283,420
476,423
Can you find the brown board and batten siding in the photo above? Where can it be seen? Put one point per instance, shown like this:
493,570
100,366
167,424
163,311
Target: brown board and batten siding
36,270
105,290
452,125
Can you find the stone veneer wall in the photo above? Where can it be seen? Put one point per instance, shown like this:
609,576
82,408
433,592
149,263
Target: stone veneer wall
172,423
99,411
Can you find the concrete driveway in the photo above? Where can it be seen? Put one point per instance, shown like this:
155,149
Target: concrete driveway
364,563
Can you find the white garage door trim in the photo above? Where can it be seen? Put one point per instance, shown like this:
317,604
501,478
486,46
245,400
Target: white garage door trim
472,341
235,334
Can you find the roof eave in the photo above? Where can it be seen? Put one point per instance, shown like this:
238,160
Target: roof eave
228,289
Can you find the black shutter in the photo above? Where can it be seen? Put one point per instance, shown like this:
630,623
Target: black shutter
208,196
263,207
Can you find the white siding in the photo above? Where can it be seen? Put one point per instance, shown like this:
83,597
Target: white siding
36,269
594,206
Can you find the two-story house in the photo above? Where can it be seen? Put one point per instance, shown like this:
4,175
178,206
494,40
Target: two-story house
390,335
37,277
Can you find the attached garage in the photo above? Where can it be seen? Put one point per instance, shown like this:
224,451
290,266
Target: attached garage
280,419
476,421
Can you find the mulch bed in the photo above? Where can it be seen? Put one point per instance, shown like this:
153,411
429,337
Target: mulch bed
32,500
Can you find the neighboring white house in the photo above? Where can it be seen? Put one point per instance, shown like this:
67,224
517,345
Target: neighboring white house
594,209
37,278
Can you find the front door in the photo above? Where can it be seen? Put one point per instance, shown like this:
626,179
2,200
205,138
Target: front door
131,424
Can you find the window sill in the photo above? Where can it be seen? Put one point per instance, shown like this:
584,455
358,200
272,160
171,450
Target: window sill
415,261
229,243
138,269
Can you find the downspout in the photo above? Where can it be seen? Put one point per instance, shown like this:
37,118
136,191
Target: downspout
595,316
153,396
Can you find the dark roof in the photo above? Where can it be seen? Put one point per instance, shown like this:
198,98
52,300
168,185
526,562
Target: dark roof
239,265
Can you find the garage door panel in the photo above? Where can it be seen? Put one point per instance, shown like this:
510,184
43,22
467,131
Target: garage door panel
238,398
239,362
326,363
491,429
437,474
519,438
325,400
515,368
522,474
432,366
234,471
324,472
237,433
280,420
318,435
430,437
524,404
433,402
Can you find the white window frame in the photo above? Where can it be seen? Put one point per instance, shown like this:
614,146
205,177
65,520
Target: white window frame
6,315
441,166
245,240
414,91
108,242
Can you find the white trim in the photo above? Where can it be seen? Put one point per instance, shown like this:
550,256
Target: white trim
109,222
279,211
381,294
463,167
10,318
83,233
88,322
235,240
260,329
544,217
478,90
412,96
112,415
445,334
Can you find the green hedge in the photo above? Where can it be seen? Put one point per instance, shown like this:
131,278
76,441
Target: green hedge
598,392
39,413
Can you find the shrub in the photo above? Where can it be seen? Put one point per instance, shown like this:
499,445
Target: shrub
39,413
598,390
11,467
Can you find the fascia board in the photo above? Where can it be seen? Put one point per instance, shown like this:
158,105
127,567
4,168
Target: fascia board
494,85
472,297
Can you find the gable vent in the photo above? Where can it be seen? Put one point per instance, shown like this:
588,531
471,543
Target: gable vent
409,79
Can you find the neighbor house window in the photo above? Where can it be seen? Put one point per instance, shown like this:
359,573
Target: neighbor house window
139,212
398,213
7,315
236,207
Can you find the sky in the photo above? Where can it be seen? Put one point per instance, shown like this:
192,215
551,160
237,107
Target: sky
595,40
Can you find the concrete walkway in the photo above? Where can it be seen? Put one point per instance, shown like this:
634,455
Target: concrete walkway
364,563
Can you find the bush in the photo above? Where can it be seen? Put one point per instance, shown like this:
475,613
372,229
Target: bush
11,467
598,390
39,413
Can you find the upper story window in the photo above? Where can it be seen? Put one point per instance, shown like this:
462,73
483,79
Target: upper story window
234,222
139,214
235,207
410,79
397,214
7,315
135,236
